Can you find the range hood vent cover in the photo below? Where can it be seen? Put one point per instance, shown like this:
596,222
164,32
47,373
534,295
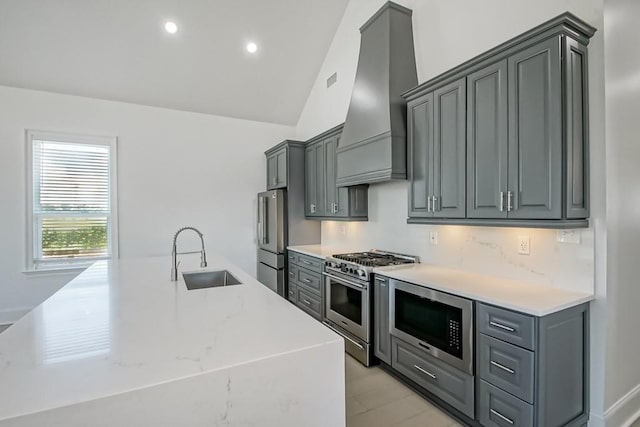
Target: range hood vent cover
373,145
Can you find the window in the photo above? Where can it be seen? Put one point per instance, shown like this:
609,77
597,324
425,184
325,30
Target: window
72,200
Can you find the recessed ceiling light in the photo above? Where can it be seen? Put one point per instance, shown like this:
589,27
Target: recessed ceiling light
171,27
252,47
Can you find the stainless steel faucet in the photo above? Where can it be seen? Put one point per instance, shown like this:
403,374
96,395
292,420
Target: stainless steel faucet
175,253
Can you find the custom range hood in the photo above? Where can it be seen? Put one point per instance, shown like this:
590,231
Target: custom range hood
373,144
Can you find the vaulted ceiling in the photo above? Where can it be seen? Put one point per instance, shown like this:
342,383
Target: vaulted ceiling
119,50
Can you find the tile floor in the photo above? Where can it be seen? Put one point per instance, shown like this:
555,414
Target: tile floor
376,399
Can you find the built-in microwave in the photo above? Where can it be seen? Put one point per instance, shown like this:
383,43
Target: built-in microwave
439,323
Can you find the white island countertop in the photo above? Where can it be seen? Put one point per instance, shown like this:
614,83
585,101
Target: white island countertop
123,326
536,300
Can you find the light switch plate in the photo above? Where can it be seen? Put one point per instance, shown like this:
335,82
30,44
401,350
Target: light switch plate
524,245
343,229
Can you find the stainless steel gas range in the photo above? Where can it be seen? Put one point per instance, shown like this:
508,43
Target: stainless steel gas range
348,296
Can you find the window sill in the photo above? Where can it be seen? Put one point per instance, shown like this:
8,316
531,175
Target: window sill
57,271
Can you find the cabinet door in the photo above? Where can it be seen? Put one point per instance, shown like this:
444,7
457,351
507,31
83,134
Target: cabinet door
272,172
449,150
281,168
330,146
419,149
310,199
487,136
535,132
382,335
320,184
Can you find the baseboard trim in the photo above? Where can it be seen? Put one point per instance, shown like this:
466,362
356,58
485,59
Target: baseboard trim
625,411
9,316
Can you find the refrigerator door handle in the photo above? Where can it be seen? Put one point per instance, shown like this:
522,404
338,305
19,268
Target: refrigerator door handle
264,221
260,220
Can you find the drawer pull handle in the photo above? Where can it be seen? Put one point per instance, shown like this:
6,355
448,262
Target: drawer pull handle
292,258
307,262
504,368
306,280
501,326
306,301
498,414
424,371
292,274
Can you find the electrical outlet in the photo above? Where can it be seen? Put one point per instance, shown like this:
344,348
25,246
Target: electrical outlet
343,229
524,245
433,237
568,236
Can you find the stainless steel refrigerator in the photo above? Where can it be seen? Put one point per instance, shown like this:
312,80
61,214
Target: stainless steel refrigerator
272,238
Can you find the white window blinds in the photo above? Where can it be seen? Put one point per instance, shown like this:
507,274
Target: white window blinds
72,201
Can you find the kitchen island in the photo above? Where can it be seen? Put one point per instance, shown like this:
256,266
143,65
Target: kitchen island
123,345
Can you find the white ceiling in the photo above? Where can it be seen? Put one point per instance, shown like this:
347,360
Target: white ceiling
118,50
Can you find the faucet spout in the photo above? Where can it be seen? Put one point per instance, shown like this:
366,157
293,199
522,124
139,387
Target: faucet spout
174,252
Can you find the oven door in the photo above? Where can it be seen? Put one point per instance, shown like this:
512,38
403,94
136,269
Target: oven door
439,323
347,305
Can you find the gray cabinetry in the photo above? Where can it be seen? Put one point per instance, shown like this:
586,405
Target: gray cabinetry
277,168
306,284
487,141
437,150
524,120
324,199
314,180
532,371
382,335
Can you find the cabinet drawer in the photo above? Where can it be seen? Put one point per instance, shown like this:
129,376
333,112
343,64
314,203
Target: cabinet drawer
310,263
497,408
309,303
507,366
292,293
509,326
448,383
292,257
293,273
312,282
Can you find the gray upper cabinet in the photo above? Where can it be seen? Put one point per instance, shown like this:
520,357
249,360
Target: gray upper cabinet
277,168
487,141
436,147
324,199
521,110
314,180
535,132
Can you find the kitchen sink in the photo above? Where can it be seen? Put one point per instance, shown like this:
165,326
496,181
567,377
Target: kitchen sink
209,279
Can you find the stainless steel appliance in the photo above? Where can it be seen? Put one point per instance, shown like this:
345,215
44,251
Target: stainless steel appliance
271,236
439,323
348,302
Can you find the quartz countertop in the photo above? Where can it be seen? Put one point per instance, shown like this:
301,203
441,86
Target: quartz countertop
536,300
323,251
123,325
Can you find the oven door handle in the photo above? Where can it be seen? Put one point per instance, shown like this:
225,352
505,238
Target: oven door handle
345,282
354,342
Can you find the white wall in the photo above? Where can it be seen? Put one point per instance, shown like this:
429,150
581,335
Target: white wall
447,33
622,74
174,169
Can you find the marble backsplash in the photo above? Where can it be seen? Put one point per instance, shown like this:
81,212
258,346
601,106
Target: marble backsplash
484,250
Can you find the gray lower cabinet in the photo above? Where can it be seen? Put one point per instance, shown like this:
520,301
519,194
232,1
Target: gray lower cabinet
306,284
439,378
521,111
529,370
381,331
277,167
324,199
532,371
437,152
